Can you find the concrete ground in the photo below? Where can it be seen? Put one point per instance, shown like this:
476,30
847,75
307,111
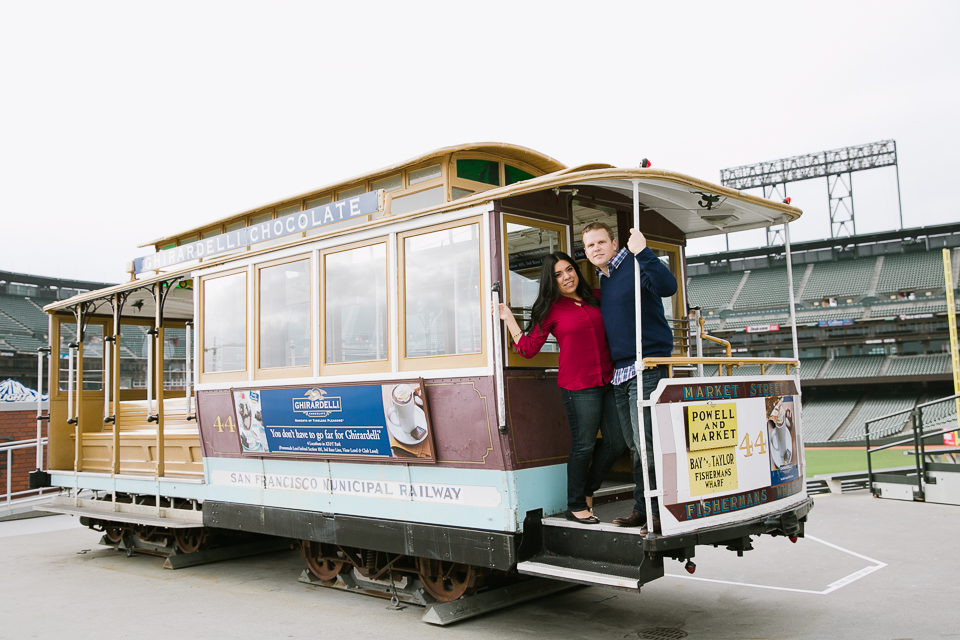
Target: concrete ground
869,568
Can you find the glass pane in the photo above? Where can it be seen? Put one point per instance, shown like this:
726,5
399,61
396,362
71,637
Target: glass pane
419,200
174,358
133,356
526,248
209,234
264,217
460,193
349,193
288,210
387,184
285,315
667,259
355,298
442,292
316,202
188,240
485,171
512,174
225,323
92,356
236,225
422,175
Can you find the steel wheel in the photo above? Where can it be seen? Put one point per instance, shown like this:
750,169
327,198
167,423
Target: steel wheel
190,540
113,532
447,581
322,567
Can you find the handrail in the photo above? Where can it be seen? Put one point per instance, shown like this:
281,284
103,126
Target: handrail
9,448
918,439
725,343
728,362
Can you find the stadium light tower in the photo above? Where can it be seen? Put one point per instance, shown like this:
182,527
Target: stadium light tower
837,166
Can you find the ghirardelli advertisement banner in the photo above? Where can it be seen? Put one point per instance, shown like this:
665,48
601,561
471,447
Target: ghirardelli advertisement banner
384,421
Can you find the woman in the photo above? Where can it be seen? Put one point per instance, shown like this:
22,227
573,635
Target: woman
567,308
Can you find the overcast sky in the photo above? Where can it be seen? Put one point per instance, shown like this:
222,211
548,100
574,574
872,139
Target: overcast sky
125,121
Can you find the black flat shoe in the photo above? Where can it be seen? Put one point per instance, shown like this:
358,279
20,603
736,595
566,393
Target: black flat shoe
590,519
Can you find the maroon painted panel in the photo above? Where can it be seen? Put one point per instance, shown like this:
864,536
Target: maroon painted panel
217,419
463,415
538,431
464,412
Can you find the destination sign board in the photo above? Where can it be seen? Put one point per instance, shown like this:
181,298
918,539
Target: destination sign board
323,215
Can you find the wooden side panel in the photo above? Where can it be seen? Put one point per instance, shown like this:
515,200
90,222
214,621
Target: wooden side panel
538,432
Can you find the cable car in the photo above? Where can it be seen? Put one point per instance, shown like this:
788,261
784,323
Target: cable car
326,369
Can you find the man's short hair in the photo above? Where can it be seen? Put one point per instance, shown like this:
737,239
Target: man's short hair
593,226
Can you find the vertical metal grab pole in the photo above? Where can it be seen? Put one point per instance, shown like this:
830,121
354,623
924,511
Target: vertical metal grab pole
793,311
39,410
188,365
106,378
70,383
498,359
641,443
150,346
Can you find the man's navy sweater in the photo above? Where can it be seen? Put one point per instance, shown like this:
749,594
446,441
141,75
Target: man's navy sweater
619,312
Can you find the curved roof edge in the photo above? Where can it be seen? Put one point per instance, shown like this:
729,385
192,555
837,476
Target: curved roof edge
534,158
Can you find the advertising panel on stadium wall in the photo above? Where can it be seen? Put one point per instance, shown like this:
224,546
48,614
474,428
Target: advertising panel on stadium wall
730,450
837,322
762,328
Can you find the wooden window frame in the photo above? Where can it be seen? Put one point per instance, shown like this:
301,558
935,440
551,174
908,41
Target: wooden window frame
679,299
276,373
447,361
514,359
241,375
363,366
463,183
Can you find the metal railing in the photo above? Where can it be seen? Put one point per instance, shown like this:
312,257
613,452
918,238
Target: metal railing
918,437
8,449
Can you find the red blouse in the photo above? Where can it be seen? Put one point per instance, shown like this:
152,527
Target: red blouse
584,355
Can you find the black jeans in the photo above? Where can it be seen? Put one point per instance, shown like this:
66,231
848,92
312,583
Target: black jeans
590,410
627,404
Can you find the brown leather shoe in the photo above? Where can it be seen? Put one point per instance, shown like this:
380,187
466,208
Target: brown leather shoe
656,527
633,520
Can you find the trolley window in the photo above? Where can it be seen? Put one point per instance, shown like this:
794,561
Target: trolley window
527,243
224,328
283,318
673,307
355,317
92,354
441,318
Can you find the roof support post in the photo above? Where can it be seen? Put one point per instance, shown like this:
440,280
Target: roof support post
117,308
158,373
793,310
639,434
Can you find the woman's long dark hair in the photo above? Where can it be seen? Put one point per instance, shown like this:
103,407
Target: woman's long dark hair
550,291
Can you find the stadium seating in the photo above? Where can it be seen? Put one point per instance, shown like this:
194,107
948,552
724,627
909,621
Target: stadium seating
766,288
822,417
874,407
939,416
919,365
854,367
10,326
810,367
849,278
24,311
894,310
830,313
713,291
911,271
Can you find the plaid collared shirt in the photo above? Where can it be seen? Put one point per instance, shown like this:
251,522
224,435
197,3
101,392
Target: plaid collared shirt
629,372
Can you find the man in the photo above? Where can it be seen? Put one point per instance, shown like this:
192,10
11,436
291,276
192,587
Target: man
618,308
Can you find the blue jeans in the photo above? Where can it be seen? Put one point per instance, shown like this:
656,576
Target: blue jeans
590,410
627,404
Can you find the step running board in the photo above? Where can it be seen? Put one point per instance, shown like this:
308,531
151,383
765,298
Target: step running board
581,571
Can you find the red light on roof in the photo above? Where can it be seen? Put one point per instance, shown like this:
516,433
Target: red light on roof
786,201
645,164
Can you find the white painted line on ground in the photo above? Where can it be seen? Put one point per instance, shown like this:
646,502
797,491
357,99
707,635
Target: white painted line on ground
833,586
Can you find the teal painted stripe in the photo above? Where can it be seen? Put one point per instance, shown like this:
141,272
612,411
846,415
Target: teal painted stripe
146,486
